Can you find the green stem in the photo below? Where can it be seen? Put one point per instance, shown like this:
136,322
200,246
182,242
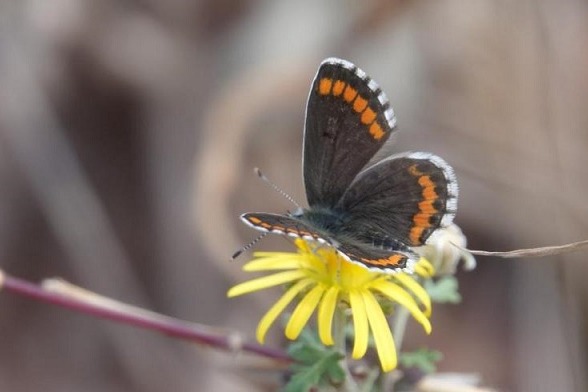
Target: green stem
339,329
400,320
339,324
388,381
399,326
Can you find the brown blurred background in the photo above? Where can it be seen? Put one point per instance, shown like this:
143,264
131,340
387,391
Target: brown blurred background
128,134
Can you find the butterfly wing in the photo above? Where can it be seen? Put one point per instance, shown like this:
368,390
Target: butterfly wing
390,256
394,258
283,224
348,119
405,197
397,202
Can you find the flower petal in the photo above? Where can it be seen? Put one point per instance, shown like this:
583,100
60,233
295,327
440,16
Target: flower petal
265,282
274,261
267,320
398,294
381,331
325,315
417,290
312,262
355,276
303,312
424,268
360,323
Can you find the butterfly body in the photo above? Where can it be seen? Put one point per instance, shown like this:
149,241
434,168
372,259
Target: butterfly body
324,219
372,215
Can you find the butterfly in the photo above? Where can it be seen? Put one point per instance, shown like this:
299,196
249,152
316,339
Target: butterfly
372,216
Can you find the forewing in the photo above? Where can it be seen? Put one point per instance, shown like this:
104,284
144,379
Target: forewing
348,119
282,224
405,197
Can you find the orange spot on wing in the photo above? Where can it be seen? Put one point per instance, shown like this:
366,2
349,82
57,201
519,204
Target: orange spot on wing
376,131
325,85
413,170
338,87
416,234
428,187
359,104
254,220
368,116
422,219
393,260
309,234
349,94
426,206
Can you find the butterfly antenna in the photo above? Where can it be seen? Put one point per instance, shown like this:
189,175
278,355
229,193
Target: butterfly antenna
275,187
248,246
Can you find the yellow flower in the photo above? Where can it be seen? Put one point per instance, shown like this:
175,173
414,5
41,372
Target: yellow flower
327,280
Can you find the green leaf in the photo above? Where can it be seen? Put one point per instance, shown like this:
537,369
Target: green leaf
335,372
316,364
306,349
443,290
321,371
423,359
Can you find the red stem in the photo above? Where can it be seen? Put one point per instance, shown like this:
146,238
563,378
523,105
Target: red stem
167,325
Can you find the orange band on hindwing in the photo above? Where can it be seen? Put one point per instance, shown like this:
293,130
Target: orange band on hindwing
392,261
422,219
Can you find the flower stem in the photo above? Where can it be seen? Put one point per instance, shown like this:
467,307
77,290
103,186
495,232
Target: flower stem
83,301
399,326
339,327
339,323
